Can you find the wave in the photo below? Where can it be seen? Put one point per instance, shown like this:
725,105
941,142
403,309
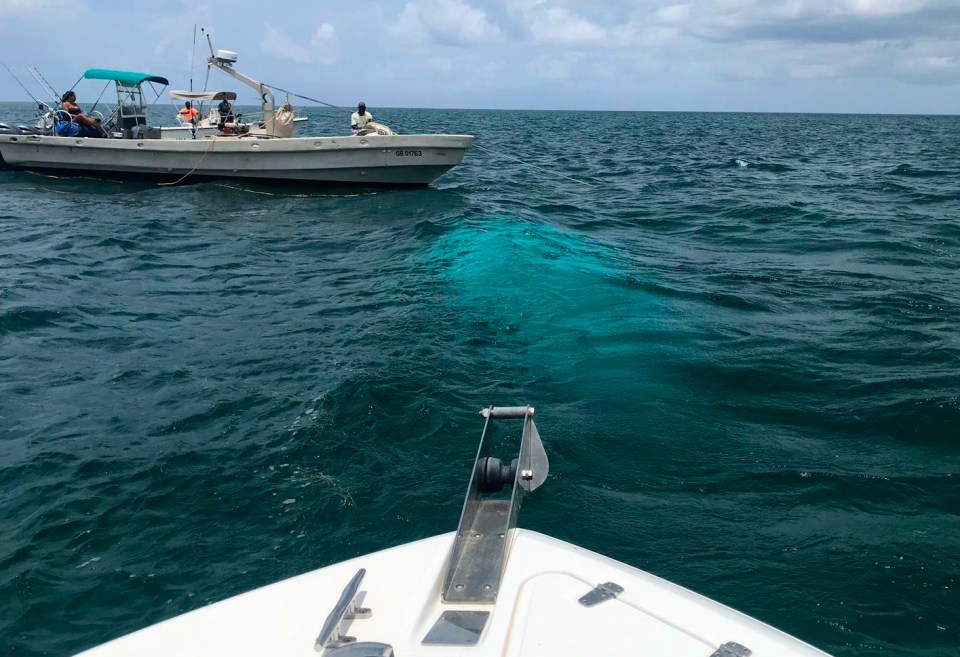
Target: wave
25,319
912,171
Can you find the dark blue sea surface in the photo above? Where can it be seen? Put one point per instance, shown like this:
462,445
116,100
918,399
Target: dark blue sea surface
740,332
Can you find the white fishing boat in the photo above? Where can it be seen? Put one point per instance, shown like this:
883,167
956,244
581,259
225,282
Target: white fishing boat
488,589
265,152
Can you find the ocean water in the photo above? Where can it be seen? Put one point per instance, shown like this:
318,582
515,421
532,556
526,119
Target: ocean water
740,332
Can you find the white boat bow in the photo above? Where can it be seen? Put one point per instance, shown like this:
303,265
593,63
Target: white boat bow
476,592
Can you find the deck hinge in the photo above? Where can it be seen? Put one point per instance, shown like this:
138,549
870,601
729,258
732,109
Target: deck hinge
601,593
732,649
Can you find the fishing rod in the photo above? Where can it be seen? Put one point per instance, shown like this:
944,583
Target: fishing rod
534,166
97,102
193,56
312,100
193,65
39,102
344,109
56,96
485,150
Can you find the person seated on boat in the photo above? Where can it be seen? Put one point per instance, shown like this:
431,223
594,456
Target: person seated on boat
88,126
189,113
225,110
361,117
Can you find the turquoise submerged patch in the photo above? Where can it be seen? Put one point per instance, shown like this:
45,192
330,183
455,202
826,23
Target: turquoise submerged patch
581,304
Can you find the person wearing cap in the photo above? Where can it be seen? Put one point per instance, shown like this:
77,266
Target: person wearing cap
225,110
361,117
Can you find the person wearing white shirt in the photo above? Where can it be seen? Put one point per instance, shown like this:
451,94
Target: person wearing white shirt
361,117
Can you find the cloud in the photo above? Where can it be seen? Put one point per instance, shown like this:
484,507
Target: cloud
321,49
931,64
30,8
445,22
906,40
813,71
442,64
556,68
550,68
558,26
924,64
673,14
824,21
562,28
171,37
849,55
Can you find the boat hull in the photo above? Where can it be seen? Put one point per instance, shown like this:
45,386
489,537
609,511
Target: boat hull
537,612
185,132
394,160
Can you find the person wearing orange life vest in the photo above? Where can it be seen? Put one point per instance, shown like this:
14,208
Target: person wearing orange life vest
189,114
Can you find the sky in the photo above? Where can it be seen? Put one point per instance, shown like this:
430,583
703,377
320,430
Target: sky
860,56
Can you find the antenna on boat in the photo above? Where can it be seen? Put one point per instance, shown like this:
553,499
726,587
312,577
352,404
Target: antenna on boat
209,42
193,55
193,64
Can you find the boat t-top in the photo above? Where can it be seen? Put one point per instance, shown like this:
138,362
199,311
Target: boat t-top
209,125
489,589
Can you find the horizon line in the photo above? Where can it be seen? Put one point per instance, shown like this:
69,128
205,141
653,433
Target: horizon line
599,111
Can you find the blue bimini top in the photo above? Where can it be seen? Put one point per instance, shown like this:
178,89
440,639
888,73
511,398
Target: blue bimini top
128,78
